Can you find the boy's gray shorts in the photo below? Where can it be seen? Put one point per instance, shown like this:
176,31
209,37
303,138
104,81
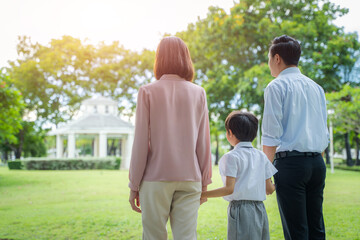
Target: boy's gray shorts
247,220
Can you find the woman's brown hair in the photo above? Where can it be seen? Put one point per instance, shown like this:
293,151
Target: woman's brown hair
173,57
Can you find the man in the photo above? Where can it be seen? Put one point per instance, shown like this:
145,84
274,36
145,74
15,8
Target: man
294,132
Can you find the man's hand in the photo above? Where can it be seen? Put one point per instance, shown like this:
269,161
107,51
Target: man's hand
135,201
270,152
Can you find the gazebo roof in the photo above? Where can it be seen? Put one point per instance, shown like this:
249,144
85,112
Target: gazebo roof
94,122
99,100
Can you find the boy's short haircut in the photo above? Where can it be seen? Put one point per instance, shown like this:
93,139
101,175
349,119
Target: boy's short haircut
243,125
288,49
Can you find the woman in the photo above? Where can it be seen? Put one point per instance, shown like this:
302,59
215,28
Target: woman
171,159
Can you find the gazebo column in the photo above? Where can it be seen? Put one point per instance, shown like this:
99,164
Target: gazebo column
102,145
59,146
128,148
71,145
96,146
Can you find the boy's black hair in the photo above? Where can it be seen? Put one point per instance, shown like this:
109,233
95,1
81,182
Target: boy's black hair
243,125
288,49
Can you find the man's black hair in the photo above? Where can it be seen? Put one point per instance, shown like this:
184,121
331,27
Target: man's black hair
288,49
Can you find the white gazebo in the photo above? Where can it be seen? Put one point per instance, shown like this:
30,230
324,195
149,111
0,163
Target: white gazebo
99,121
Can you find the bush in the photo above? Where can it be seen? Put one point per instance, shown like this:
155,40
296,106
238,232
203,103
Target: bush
14,164
344,167
117,163
71,164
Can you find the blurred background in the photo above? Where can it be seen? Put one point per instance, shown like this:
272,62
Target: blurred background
70,70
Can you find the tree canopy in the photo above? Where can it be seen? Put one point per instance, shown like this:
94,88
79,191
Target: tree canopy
229,51
11,106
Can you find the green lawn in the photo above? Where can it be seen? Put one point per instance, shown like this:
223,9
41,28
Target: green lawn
94,205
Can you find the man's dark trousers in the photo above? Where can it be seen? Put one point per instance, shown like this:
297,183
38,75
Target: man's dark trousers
300,183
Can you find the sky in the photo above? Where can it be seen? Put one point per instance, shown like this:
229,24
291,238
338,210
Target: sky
136,24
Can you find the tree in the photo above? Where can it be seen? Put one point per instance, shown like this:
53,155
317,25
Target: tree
55,78
346,104
11,106
230,50
118,73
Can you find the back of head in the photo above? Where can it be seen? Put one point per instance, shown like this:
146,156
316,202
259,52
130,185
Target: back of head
288,49
243,125
173,57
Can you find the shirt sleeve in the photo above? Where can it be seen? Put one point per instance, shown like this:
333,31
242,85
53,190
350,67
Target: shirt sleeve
203,151
270,170
272,128
141,141
229,166
325,114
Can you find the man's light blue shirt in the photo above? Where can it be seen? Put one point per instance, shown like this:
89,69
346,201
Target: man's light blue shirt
295,113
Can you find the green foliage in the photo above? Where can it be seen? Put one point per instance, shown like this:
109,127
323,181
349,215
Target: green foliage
348,168
15,165
230,50
71,164
11,106
117,163
55,78
346,106
34,140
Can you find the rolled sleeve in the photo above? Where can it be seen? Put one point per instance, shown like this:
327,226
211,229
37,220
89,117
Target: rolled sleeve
272,128
141,141
203,150
324,110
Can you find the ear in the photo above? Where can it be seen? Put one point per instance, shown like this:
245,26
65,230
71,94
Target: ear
277,58
230,133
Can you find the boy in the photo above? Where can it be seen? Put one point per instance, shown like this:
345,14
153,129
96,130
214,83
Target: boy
246,174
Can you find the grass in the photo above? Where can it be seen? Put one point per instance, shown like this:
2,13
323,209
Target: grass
94,205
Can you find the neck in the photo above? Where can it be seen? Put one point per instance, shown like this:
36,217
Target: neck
286,66
235,142
283,67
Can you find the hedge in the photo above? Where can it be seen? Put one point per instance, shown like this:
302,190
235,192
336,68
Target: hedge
71,164
14,165
348,168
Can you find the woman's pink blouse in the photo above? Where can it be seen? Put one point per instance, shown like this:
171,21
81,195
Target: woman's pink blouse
172,137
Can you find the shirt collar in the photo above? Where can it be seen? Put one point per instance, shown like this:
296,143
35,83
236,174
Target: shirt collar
290,70
174,77
244,144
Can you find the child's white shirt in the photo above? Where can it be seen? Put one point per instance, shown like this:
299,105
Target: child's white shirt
251,168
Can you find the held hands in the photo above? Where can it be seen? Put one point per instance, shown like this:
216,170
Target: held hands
203,198
135,201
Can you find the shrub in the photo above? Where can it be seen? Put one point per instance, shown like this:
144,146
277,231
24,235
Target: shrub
15,164
117,163
71,164
344,167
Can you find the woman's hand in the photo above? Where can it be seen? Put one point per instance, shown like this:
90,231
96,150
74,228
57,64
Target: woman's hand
135,201
202,198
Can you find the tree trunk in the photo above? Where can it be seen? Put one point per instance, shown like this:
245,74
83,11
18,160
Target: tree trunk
6,156
217,149
349,161
327,154
357,163
19,148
